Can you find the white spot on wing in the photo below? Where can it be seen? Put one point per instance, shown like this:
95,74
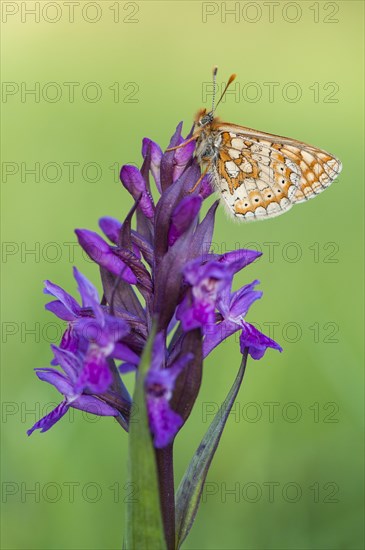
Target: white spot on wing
260,212
232,169
293,167
291,191
234,153
223,185
307,156
265,160
249,183
284,203
323,178
294,178
241,192
237,143
246,166
273,208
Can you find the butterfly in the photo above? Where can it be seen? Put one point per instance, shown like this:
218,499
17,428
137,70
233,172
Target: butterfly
258,175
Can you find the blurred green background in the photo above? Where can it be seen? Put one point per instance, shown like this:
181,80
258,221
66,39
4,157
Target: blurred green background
289,471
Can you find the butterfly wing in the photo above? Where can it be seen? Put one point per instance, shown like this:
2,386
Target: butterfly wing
261,175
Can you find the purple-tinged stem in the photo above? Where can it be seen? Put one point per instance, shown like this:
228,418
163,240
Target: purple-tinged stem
165,469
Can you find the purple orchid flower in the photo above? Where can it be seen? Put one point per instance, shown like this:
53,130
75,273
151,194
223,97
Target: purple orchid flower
92,332
183,287
67,384
232,311
207,281
160,383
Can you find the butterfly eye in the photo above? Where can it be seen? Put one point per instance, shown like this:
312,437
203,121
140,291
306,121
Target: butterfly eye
206,119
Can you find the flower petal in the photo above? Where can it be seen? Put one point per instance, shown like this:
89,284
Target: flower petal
69,362
206,187
111,227
208,281
99,251
167,161
202,239
124,368
124,353
158,353
50,419
195,315
156,156
72,342
242,299
60,310
216,333
182,157
87,290
238,259
95,375
133,181
94,405
256,342
165,206
164,422
196,272
58,380
168,279
183,216
64,297
105,334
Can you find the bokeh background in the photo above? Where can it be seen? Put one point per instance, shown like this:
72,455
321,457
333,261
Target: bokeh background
289,470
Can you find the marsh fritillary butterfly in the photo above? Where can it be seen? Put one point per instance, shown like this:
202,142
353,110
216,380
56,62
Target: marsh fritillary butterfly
258,175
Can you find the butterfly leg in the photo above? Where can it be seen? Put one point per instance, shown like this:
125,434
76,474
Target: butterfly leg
193,138
201,177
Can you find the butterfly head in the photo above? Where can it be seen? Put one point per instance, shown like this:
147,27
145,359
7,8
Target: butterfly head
203,118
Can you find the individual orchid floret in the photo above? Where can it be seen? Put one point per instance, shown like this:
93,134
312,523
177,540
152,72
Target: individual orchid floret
233,309
92,332
207,281
160,383
66,383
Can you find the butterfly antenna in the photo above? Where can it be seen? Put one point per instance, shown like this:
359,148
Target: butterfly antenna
230,80
215,70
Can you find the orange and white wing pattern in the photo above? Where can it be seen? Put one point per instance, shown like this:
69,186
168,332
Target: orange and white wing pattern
261,175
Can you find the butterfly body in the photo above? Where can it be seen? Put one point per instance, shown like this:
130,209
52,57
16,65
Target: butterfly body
260,175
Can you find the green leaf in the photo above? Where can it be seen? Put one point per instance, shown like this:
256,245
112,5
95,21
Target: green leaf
191,486
144,522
